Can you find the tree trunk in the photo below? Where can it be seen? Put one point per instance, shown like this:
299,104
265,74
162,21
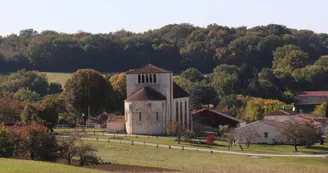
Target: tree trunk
69,161
295,145
179,138
32,156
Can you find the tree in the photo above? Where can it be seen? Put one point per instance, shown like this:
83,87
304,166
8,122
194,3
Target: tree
288,58
175,129
118,82
30,113
87,91
296,131
86,154
9,108
7,143
253,110
192,74
249,134
70,147
38,142
48,113
54,88
26,94
321,110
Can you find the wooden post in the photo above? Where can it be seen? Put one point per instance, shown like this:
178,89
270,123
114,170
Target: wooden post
97,139
108,140
144,143
211,152
94,132
157,146
132,142
182,147
169,146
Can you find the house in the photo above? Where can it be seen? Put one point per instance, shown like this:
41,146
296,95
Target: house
115,124
268,130
153,101
279,115
261,131
210,119
307,100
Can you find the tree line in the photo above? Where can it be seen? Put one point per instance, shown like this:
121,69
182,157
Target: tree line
175,47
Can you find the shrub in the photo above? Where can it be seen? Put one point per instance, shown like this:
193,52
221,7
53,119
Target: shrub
210,139
38,142
7,143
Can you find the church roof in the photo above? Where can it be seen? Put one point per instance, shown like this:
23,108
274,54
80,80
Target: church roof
149,68
178,92
145,94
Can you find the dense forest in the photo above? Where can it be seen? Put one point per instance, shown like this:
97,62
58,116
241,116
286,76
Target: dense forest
174,47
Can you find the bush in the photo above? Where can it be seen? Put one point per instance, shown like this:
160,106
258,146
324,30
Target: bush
210,139
38,142
26,94
7,143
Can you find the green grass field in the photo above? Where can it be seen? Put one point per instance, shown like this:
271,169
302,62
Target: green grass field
27,166
196,161
69,130
222,145
58,77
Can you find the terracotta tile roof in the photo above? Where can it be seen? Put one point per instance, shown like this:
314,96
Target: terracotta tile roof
311,117
281,112
312,93
272,123
299,119
178,92
149,68
145,94
114,118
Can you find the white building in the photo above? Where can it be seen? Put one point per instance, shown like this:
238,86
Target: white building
153,101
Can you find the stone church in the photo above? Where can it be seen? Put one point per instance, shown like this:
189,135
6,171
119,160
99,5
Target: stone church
153,101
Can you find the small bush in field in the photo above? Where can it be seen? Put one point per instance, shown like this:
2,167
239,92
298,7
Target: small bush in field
7,143
210,139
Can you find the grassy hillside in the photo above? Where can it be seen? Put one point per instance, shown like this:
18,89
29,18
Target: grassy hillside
27,166
193,161
58,77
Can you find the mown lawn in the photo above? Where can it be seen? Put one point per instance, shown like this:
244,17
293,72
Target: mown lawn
58,77
27,166
197,161
222,145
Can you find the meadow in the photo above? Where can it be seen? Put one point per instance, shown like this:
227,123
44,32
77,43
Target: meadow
196,161
223,145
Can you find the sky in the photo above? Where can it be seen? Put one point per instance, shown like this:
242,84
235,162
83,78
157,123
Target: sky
103,16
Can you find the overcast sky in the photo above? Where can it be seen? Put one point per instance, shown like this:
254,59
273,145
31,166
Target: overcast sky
103,16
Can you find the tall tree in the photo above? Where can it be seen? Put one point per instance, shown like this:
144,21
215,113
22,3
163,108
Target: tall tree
87,92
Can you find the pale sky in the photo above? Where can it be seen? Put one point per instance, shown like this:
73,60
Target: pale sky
103,16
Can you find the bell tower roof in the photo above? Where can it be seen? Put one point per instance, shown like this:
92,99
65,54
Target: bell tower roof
149,68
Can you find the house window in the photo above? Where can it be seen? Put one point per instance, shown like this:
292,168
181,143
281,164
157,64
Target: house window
139,116
154,78
266,134
157,116
139,78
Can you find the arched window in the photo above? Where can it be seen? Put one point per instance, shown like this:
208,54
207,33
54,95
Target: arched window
154,78
146,78
139,116
181,120
151,78
177,111
157,116
143,79
186,118
139,78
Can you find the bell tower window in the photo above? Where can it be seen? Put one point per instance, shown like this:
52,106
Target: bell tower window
150,78
146,78
139,78
154,78
143,78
